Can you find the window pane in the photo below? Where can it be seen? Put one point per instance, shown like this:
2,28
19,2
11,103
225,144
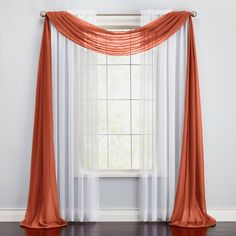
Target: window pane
102,117
147,145
102,152
136,59
119,117
135,151
118,59
119,152
146,126
102,83
147,78
136,123
116,137
135,76
118,82
101,58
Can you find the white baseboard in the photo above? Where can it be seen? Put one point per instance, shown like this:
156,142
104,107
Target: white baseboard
12,214
118,214
223,214
113,215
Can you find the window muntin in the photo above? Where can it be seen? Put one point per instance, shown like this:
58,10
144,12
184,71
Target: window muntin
119,112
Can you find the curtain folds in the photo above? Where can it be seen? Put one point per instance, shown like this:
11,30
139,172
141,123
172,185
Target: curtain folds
117,43
75,114
190,207
162,92
42,209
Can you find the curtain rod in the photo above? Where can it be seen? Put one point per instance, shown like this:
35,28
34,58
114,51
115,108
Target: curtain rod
44,13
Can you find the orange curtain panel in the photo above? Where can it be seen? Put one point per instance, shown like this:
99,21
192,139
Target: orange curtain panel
190,207
42,210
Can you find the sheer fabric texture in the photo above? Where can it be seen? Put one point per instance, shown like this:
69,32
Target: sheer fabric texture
42,209
75,125
163,80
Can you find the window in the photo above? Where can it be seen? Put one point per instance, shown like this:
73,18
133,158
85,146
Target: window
119,107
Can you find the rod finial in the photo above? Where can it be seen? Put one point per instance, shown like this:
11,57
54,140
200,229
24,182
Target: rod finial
193,13
43,13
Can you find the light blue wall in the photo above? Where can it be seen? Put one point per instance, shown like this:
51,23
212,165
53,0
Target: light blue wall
20,36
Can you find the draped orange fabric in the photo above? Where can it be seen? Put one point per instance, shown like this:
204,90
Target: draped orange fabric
190,207
42,210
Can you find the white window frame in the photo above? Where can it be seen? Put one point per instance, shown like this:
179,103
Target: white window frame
118,22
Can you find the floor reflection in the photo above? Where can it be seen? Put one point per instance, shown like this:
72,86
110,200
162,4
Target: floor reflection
117,229
176,231
43,232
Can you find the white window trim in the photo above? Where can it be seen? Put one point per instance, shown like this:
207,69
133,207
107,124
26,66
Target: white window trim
119,173
121,22
112,22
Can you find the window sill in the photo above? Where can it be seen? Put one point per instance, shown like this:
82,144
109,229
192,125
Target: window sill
119,174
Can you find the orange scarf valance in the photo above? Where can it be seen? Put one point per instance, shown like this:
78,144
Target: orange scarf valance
117,43
190,207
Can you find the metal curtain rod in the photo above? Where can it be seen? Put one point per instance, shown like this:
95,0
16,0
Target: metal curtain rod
44,13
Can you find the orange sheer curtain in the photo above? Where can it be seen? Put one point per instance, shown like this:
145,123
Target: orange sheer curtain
190,207
42,210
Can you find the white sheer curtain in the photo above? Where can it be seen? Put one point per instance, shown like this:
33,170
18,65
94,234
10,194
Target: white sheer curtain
162,109
75,125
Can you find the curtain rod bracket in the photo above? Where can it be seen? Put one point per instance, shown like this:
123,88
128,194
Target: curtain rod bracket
43,13
193,13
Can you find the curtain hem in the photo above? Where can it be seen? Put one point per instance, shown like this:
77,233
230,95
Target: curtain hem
24,224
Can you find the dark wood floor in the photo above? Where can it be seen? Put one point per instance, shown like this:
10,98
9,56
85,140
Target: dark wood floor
119,229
